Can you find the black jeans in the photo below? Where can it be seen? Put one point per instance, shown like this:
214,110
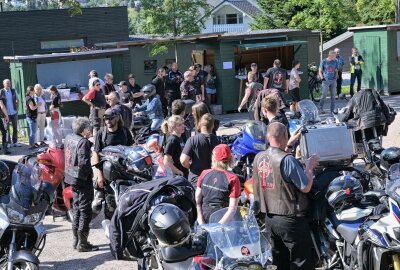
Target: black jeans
82,203
171,96
3,133
107,196
339,83
290,242
356,75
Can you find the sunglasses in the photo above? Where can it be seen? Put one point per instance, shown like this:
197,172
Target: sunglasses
97,84
109,117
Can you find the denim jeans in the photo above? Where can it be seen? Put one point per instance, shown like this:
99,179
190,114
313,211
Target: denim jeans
14,123
353,76
332,89
32,130
156,124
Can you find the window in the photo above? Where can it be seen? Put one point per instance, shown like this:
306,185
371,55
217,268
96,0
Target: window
62,44
234,18
219,19
398,45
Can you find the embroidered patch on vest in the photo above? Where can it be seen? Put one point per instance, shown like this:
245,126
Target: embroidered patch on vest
266,174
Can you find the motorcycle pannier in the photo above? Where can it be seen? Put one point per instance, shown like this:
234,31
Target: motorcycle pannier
334,143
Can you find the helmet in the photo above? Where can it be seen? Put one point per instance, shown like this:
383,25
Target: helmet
148,90
344,190
169,224
139,160
4,171
154,143
4,177
389,157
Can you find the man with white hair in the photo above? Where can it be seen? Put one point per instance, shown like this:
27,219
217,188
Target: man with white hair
10,99
328,72
187,89
339,80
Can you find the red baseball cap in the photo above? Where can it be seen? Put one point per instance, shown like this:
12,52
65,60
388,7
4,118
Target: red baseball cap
222,152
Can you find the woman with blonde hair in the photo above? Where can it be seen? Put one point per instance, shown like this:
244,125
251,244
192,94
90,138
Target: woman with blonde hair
174,126
41,112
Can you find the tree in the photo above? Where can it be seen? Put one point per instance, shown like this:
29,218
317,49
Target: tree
376,11
173,18
332,16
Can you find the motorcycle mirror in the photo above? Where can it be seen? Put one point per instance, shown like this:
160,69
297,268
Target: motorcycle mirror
255,207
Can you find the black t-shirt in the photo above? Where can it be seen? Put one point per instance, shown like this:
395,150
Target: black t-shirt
199,149
174,148
120,137
32,114
56,102
135,89
277,78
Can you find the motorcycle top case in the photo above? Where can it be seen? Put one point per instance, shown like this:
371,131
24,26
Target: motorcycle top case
334,143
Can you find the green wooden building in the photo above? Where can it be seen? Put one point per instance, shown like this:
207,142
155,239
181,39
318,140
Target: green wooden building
229,53
380,47
70,69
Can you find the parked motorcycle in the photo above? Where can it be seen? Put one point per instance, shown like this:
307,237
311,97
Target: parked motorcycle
22,234
247,146
51,162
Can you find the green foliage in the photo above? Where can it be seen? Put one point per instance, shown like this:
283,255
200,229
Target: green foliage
159,16
135,22
376,11
333,16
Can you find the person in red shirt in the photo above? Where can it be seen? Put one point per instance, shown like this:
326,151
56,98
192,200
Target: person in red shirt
217,188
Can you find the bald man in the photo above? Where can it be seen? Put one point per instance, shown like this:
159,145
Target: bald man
280,186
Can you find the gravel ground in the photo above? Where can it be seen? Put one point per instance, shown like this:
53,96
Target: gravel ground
58,253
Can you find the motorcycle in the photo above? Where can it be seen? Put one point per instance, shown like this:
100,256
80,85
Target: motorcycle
379,243
235,244
51,162
22,234
247,146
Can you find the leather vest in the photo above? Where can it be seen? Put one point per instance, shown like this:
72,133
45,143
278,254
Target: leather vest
71,158
277,196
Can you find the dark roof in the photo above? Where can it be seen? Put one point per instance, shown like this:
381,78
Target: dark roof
333,42
243,5
246,7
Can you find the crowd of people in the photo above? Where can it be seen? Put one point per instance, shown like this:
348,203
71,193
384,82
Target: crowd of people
193,152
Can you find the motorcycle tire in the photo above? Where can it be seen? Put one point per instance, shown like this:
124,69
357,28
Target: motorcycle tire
22,266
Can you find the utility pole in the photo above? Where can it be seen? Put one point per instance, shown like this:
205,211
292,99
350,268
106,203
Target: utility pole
321,37
397,11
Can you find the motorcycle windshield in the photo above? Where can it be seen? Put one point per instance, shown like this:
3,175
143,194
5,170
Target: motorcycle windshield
236,242
26,184
309,112
256,130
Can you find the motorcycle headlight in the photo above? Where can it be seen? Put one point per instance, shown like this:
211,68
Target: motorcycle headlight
259,146
16,217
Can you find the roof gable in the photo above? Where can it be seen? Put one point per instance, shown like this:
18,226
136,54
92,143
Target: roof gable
241,5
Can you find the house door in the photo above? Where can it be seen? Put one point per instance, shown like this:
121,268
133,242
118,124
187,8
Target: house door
198,57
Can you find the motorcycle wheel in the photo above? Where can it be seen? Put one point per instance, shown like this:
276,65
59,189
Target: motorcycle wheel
22,266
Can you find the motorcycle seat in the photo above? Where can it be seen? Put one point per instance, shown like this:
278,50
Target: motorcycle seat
180,253
376,193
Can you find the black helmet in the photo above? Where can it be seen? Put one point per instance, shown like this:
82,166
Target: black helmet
169,224
344,190
149,90
4,171
389,157
4,177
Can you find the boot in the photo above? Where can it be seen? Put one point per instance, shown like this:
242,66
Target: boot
83,244
75,240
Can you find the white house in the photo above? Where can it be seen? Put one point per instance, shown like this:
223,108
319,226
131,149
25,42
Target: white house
231,15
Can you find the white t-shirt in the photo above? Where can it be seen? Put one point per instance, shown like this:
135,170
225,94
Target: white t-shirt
41,108
294,74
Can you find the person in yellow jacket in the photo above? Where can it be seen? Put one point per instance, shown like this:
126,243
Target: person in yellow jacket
356,70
